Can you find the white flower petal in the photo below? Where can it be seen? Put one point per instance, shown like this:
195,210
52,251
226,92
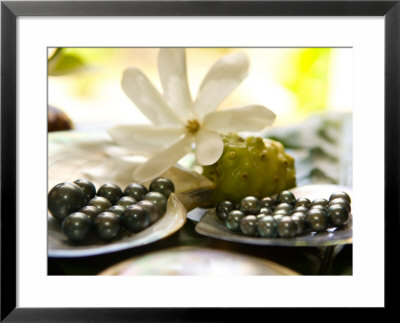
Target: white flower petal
147,138
247,118
146,97
223,77
161,162
173,76
113,169
209,147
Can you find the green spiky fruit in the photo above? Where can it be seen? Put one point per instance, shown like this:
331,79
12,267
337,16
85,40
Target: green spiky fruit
253,166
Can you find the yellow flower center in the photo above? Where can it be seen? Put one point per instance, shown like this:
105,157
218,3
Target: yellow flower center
192,126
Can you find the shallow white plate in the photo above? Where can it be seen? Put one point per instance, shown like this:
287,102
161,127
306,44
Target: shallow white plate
209,224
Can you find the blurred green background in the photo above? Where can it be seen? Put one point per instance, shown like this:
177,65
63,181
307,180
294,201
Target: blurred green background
293,82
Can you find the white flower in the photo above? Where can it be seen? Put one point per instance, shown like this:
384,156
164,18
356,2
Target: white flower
178,121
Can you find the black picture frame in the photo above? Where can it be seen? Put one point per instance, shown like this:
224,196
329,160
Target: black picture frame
11,10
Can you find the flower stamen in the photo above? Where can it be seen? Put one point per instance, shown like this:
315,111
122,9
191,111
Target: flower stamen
192,126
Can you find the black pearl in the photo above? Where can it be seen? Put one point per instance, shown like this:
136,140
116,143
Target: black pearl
250,205
320,201
126,201
341,201
162,185
64,199
110,191
318,206
300,208
266,211
342,195
279,216
286,197
284,206
76,226
136,190
299,220
117,209
136,218
286,227
88,188
223,208
248,225
338,215
153,210
100,202
316,220
282,211
232,220
158,199
300,214
107,225
267,227
303,201
268,202
91,211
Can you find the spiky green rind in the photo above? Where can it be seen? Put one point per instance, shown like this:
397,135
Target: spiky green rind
250,167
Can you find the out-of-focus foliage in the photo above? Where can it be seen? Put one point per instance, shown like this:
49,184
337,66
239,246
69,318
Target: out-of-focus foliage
295,83
322,148
61,63
306,74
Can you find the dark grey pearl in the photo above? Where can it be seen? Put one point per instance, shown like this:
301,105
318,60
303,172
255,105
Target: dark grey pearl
248,225
299,220
342,202
282,212
232,220
337,215
76,226
266,211
223,208
279,216
158,199
300,208
268,202
316,220
117,209
320,201
64,199
286,227
250,205
91,211
88,188
318,206
126,201
110,191
342,195
107,225
100,202
303,201
162,185
284,206
154,211
135,190
286,197
299,214
136,218
267,226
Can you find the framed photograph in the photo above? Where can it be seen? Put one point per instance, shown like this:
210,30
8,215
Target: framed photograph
174,155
